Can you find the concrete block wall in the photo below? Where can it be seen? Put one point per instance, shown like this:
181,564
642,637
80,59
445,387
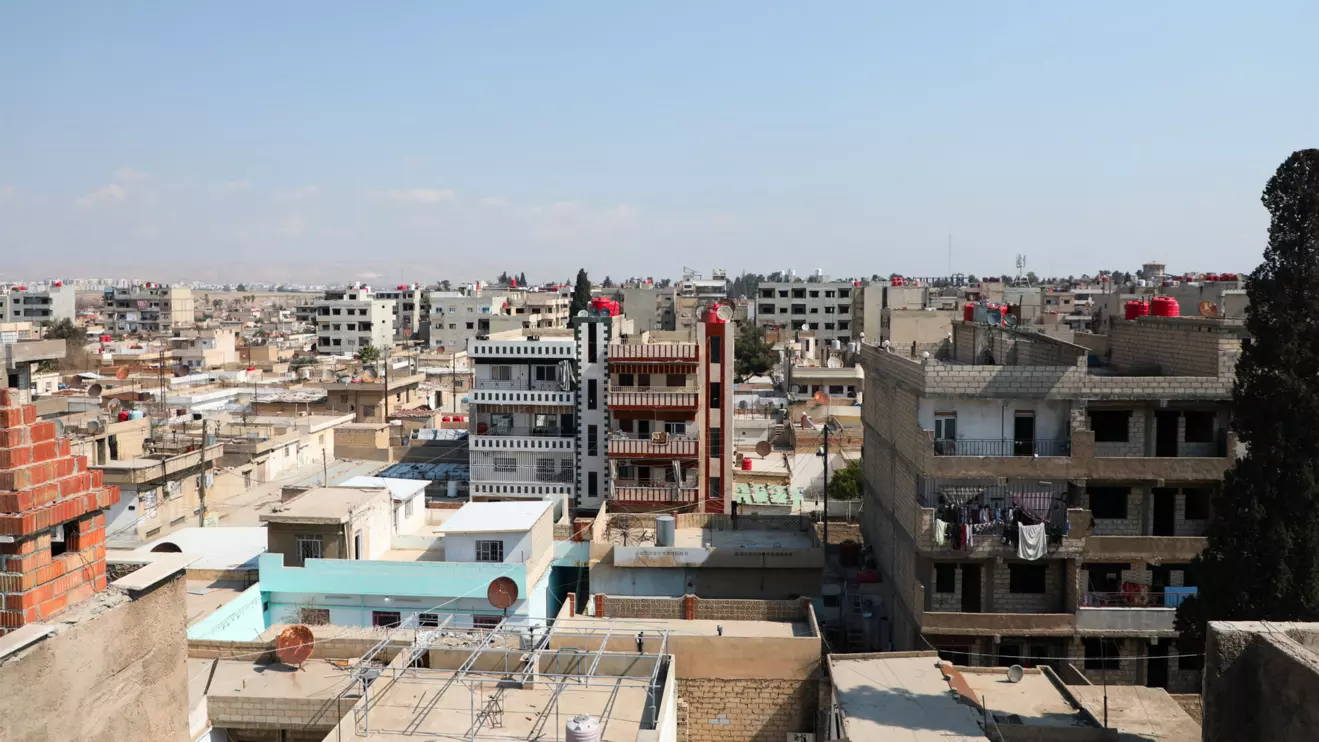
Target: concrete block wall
250,712
1177,346
1131,662
944,601
1003,600
719,710
691,607
1185,526
1132,525
1135,443
45,490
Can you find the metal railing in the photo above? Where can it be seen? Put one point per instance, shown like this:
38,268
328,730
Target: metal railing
618,398
673,445
1152,598
653,352
617,388
1002,447
524,431
647,493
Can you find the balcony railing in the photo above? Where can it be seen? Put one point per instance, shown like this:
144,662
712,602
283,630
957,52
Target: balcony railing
524,431
691,388
668,446
631,493
653,352
653,400
1138,598
1002,447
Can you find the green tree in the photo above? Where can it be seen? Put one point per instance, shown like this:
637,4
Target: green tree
845,483
241,287
1031,278
1263,560
64,329
608,283
503,279
664,283
581,294
752,355
368,353
445,285
522,280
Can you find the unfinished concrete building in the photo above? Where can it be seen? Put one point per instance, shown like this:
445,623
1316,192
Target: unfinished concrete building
1031,498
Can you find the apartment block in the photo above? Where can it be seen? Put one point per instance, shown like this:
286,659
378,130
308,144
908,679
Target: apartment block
349,320
823,307
456,317
649,307
410,311
1110,449
39,306
523,430
22,355
148,308
670,420
52,519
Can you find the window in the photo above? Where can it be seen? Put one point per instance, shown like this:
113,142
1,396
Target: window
309,547
716,348
592,440
592,394
490,551
1199,427
1110,426
815,294
485,622
677,380
675,428
592,484
428,620
1026,578
407,508
385,619
716,395
314,616
501,373
945,578
369,410
766,309
506,464
716,443
591,351
627,380
1197,504
716,488
1102,654
1109,502
767,293
547,373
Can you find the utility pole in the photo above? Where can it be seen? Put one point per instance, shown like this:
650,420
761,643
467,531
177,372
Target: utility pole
201,486
825,516
325,469
385,357
453,381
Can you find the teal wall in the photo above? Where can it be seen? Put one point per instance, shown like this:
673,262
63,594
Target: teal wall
398,579
241,619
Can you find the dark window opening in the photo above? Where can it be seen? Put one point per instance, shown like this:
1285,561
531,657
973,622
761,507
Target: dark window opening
1109,502
1027,578
1199,427
716,394
592,394
1110,426
1102,654
715,349
945,578
1197,504
385,619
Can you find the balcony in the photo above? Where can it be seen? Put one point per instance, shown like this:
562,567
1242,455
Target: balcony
1135,612
1003,624
1002,447
652,400
1173,549
523,398
659,446
653,352
648,494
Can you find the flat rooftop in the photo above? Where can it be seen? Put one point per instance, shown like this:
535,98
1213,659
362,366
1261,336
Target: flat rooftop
316,679
205,597
1139,713
496,517
683,627
324,505
1034,700
900,697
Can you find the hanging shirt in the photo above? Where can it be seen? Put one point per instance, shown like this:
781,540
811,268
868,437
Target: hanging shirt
1031,542
940,532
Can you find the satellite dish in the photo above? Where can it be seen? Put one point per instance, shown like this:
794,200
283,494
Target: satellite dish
821,398
1208,309
763,448
122,373
1010,320
93,427
294,645
94,390
368,376
1015,674
113,405
182,370
724,312
502,593
834,362
59,428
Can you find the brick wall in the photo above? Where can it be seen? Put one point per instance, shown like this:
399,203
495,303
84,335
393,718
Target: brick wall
1004,600
251,712
703,608
746,710
45,490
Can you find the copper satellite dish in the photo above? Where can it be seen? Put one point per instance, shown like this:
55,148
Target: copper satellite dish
122,373
294,645
763,448
1208,309
822,398
502,593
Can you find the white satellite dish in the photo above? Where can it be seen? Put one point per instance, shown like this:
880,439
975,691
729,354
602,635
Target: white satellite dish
724,312
1015,674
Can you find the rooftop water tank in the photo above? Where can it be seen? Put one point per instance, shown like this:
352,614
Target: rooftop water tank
582,728
969,312
1164,306
665,526
1136,308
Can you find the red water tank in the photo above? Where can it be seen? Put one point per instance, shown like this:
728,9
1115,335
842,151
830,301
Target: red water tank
969,312
1164,306
746,464
896,281
123,415
1136,309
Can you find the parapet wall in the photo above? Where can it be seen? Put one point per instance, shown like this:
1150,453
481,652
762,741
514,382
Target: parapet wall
1261,680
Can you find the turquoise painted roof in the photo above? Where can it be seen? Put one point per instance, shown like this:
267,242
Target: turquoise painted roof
766,494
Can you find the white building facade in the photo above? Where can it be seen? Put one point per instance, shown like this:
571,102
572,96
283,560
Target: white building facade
349,320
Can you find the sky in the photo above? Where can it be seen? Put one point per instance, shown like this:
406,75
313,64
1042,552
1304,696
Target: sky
336,141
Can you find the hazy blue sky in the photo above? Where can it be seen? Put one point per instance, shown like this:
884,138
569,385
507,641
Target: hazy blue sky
437,139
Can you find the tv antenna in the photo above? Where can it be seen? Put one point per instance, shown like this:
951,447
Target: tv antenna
1021,264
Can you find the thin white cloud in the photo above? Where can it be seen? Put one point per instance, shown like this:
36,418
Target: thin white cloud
369,275
8,193
129,175
106,194
421,195
292,225
232,186
493,202
298,193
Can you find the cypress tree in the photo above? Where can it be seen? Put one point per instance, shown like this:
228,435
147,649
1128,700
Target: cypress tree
1263,555
581,294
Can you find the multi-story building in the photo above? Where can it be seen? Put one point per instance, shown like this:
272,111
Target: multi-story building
650,308
543,309
456,318
22,357
148,308
410,311
205,348
670,418
1112,447
523,429
351,319
823,307
39,306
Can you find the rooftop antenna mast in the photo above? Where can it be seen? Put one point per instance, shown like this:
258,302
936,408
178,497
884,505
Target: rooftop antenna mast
1021,265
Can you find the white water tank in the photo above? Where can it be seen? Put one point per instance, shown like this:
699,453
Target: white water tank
453,488
665,530
584,728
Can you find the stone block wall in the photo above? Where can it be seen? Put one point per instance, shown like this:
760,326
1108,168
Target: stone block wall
944,601
719,710
1132,525
52,507
1178,346
1003,600
254,713
1134,445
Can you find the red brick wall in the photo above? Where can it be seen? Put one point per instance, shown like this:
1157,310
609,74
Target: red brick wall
44,489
